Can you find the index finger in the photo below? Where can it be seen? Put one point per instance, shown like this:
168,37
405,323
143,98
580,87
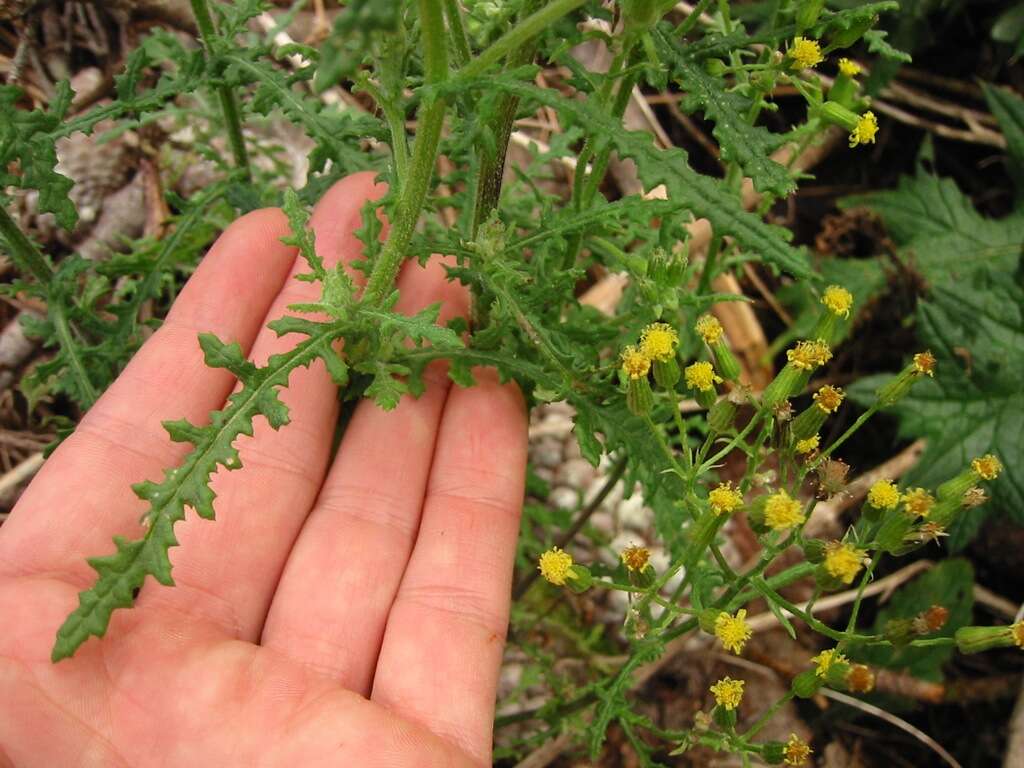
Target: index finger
82,496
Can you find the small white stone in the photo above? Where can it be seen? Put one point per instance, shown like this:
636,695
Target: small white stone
564,498
633,514
576,473
547,452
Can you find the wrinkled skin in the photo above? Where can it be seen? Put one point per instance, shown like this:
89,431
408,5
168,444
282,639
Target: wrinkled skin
345,613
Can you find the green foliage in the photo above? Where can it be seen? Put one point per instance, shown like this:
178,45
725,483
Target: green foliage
523,251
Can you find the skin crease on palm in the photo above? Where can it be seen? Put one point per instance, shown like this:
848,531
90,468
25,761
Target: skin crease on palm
345,614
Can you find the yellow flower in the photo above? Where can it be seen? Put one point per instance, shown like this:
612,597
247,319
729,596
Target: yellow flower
838,300
1018,633
797,751
843,561
865,130
659,341
635,364
701,376
725,499
635,558
781,511
808,355
829,398
918,501
849,68
728,693
733,630
709,329
884,495
555,566
805,53
808,445
826,659
988,466
924,363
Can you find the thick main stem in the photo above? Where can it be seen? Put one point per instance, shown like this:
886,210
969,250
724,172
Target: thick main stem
24,254
424,155
225,94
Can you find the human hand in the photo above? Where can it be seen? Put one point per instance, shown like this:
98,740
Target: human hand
350,614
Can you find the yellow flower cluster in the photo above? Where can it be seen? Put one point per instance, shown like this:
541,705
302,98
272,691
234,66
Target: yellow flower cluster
555,566
884,495
635,558
924,363
917,501
988,466
826,659
781,511
658,341
838,300
733,631
728,693
808,445
849,68
725,499
808,355
860,679
709,329
829,398
701,376
843,561
805,53
635,364
865,130
797,751
1018,634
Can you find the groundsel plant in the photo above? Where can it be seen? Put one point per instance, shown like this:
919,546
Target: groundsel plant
462,74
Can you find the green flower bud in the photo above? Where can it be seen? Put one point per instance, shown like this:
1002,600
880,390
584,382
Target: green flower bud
786,383
806,684
773,752
722,415
580,579
724,718
666,373
728,365
978,639
814,550
808,423
893,532
639,397
834,113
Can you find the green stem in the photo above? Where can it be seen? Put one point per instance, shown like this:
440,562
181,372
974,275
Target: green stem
225,94
26,257
70,346
424,155
460,40
691,20
846,435
518,36
769,713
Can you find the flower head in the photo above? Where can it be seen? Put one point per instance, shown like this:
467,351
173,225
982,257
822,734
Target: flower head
826,659
865,130
781,511
924,363
635,558
728,693
808,355
988,466
797,751
725,499
555,566
843,561
807,445
1018,634
805,53
917,501
849,68
829,398
974,497
658,341
884,495
733,630
635,364
709,329
701,376
860,679
838,300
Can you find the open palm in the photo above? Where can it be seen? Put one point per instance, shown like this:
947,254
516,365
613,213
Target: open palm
345,613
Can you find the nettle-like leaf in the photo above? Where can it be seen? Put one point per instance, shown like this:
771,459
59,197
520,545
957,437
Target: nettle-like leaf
975,404
1008,109
748,145
122,574
939,230
704,196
